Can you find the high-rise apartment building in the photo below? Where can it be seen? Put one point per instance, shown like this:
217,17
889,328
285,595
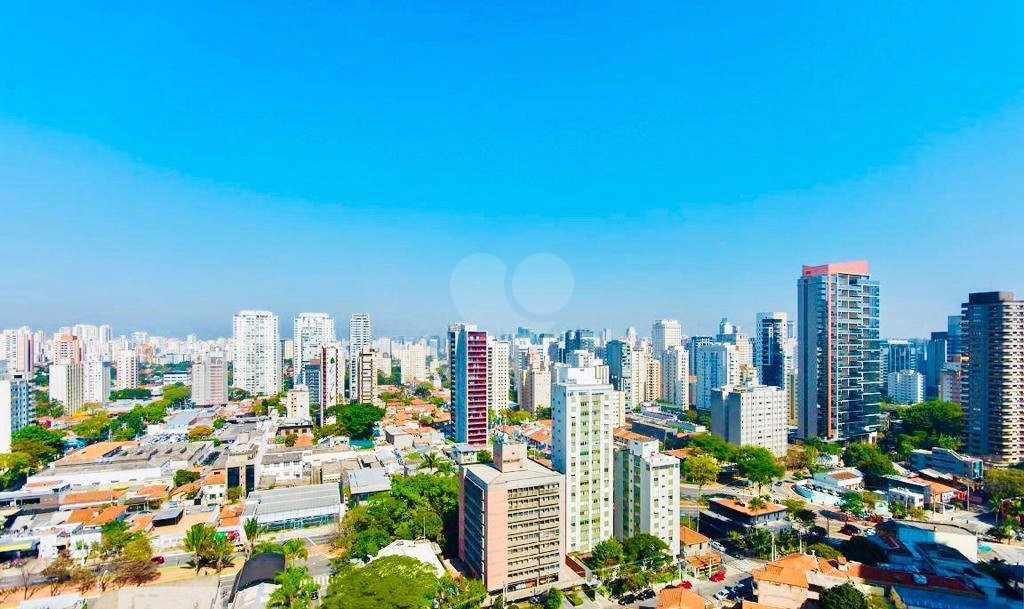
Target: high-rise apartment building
95,381
751,415
311,331
365,380
993,379
470,380
624,372
718,365
210,380
665,333
126,376
511,521
771,350
17,409
332,375
675,376
257,357
905,387
66,386
360,336
583,418
937,356
840,370
498,379
652,378
578,340
647,493
66,348
19,351
951,380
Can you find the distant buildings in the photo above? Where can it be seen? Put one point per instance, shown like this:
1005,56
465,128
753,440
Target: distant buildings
332,375
498,379
840,373
511,521
360,336
665,333
772,355
583,417
675,376
126,376
364,382
751,415
67,387
906,387
311,331
624,372
210,381
993,343
718,365
95,382
257,357
535,387
646,493
19,350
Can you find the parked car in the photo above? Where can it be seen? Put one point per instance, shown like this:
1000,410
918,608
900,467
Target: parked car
717,546
687,584
158,560
646,594
627,600
717,577
850,529
721,594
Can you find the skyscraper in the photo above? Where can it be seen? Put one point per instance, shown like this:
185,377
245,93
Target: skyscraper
95,381
66,386
210,380
19,349
718,365
365,379
840,369
771,350
360,335
675,375
17,409
583,417
935,362
126,376
993,380
66,348
257,357
624,372
470,379
665,333
311,331
332,375
647,493
498,379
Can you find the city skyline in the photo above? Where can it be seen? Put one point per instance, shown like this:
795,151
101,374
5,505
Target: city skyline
720,154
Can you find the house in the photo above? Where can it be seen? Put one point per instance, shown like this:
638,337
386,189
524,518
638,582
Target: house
733,514
680,598
846,480
792,581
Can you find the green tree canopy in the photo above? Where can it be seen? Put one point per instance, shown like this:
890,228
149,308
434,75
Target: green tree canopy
392,582
708,444
607,553
701,469
648,550
845,596
870,460
758,465
1003,484
39,444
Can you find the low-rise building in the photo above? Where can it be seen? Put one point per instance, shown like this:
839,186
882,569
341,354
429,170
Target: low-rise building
846,480
291,508
948,462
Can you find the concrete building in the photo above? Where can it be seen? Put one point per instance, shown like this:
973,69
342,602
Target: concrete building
675,376
210,380
297,403
296,507
993,387
652,378
95,381
18,348
536,389
498,379
360,336
412,361
583,418
257,356
839,362
772,353
751,415
66,386
332,375
665,333
511,521
470,380
647,493
66,348
310,332
126,375
951,380
947,461
365,380
906,387
17,408
624,372
718,365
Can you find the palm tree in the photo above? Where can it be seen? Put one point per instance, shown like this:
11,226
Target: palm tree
197,541
295,591
294,548
445,468
220,550
430,461
252,533
267,546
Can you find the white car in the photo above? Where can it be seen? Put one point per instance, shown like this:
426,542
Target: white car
717,546
721,594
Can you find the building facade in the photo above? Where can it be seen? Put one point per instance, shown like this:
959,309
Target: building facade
257,354
665,333
470,380
210,380
127,374
718,365
17,408
498,379
675,376
751,415
906,387
647,493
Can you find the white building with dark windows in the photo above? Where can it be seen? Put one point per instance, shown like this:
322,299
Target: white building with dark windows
257,358
751,415
906,387
647,493
17,409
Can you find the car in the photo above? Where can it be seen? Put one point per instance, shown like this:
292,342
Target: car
628,599
687,584
722,594
717,546
850,529
646,594
717,577
158,560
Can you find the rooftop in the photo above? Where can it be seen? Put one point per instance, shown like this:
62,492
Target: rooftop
744,506
680,598
689,537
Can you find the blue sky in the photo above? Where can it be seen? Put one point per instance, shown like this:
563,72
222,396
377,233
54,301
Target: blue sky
161,170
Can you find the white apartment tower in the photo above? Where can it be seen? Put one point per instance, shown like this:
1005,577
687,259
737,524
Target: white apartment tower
718,365
311,331
19,350
332,375
365,380
127,374
675,376
17,408
95,381
360,336
751,415
498,380
583,418
257,357
665,333
647,493
66,386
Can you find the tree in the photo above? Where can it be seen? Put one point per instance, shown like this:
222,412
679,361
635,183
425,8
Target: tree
39,444
760,542
251,527
58,572
701,470
94,428
83,579
392,582
197,542
220,549
852,503
200,432
870,460
554,599
135,565
294,548
14,467
645,549
357,420
430,462
185,476
219,422
823,550
484,456
460,592
1001,484
295,590
861,549
758,465
845,596
708,444
290,440
607,553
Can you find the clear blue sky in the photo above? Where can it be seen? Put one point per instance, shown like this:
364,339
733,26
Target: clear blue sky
161,170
